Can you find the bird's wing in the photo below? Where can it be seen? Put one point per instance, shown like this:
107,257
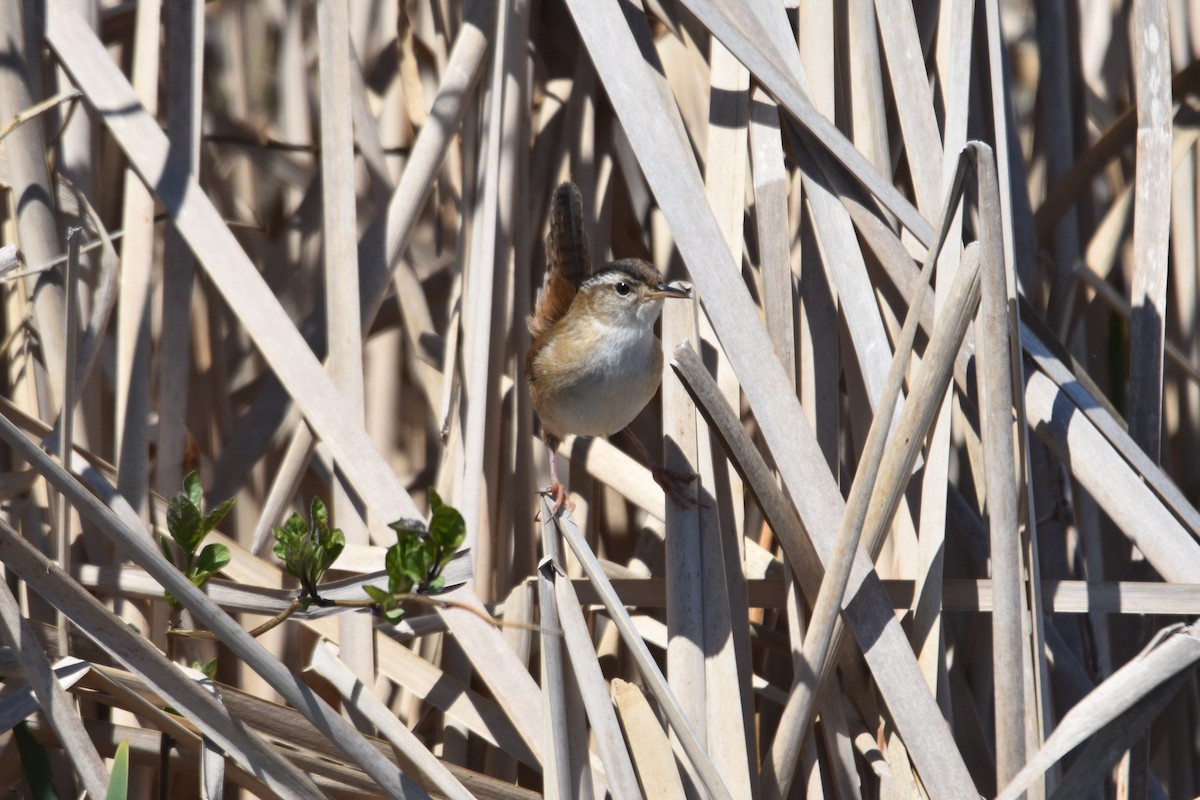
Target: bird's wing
567,260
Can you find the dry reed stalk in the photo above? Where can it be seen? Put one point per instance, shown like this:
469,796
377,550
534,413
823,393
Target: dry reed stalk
996,392
66,423
1151,223
953,63
618,768
132,411
149,557
185,76
687,655
36,226
340,271
1172,650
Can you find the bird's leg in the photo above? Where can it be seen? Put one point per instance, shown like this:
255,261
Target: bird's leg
671,481
555,490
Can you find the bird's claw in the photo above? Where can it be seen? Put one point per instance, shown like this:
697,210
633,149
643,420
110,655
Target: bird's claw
558,493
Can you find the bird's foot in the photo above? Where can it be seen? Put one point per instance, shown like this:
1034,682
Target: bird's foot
558,493
674,485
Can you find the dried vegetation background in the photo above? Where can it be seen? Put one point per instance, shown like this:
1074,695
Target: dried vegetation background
306,237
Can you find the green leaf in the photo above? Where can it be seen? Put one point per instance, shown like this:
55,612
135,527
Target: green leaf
213,558
320,515
328,547
436,583
213,518
289,542
416,557
408,527
118,782
308,550
435,500
191,488
447,528
35,763
209,668
168,554
378,595
398,581
183,522
337,543
394,615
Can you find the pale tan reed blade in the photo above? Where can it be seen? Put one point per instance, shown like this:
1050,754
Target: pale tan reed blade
648,744
1115,485
869,615
771,222
913,102
557,770
686,652
953,56
132,408
756,34
326,664
343,328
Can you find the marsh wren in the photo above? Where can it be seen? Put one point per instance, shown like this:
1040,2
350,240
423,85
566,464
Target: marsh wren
594,362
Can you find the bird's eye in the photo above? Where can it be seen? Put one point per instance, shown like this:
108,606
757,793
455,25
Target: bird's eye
622,288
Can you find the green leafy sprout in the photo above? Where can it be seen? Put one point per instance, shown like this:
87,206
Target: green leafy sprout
415,562
308,549
188,526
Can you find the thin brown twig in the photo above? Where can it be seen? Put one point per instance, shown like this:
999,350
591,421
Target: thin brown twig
20,119
296,605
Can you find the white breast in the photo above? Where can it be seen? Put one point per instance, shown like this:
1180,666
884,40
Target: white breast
612,385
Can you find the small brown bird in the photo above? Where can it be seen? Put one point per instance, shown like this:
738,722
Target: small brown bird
594,362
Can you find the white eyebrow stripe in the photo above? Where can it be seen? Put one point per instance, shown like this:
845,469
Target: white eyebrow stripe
612,278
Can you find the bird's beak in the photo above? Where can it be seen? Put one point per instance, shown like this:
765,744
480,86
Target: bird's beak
666,290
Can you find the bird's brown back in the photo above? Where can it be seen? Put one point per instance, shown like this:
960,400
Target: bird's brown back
567,260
